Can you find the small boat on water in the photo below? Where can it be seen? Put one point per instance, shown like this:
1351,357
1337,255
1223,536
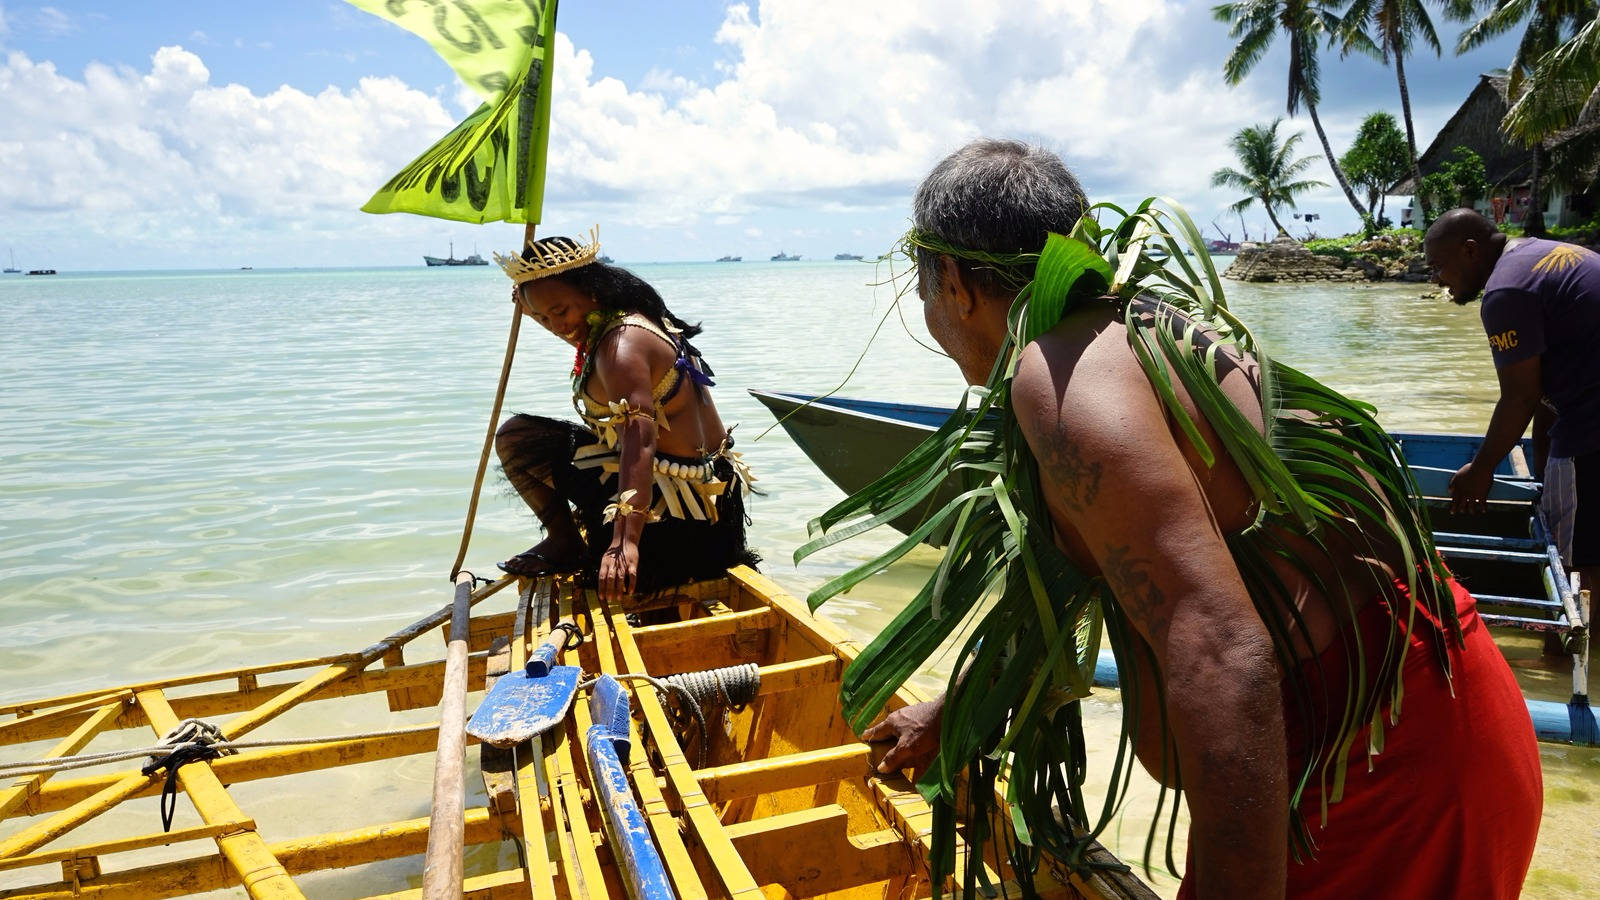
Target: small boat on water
845,256
1504,555
12,269
730,259
757,788
41,271
606,260
473,260
784,257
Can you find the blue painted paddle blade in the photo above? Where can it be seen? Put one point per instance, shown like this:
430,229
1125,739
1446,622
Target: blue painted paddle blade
520,706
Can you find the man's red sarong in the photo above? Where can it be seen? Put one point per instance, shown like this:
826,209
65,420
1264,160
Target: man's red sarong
1450,808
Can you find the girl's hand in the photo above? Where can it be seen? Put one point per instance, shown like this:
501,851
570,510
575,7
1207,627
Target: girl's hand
619,571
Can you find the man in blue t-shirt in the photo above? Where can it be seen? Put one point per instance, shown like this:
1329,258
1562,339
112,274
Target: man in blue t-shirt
1541,311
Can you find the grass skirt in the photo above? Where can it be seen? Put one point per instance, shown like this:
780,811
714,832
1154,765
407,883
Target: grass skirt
672,551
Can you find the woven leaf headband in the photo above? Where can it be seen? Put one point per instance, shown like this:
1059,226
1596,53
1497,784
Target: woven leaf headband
551,255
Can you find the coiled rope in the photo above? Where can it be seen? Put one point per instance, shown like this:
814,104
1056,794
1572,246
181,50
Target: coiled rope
734,686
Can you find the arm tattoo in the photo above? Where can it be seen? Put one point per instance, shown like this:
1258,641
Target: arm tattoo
1129,578
1078,478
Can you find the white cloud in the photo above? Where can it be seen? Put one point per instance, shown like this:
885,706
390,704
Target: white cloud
54,22
840,105
832,106
169,154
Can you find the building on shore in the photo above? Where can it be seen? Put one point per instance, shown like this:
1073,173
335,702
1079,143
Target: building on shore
1567,181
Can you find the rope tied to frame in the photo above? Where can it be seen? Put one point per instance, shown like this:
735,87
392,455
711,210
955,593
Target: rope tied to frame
734,686
191,740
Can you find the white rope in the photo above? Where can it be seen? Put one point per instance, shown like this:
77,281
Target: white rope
83,761
733,685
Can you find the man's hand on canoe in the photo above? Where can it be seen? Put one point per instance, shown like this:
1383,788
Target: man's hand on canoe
915,732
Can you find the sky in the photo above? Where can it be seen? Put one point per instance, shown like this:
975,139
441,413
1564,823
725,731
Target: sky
167,134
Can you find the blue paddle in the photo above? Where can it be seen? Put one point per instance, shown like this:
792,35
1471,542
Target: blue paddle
530,701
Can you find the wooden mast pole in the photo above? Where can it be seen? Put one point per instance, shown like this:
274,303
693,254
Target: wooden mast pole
494,422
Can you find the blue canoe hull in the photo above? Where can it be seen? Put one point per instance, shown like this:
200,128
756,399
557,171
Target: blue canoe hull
1501,555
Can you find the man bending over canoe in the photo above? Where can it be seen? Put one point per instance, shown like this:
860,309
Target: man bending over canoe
1449,808
1541,312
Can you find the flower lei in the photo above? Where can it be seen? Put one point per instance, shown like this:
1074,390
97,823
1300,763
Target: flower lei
598,322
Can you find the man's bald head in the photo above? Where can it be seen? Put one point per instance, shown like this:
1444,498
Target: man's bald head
1461,224
1462,247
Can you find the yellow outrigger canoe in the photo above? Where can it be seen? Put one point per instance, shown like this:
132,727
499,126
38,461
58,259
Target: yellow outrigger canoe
775,798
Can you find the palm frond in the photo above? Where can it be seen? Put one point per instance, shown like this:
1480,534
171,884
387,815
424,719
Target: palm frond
1560,88
1324,469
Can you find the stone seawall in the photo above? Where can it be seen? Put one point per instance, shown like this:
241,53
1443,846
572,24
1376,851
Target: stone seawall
1287,260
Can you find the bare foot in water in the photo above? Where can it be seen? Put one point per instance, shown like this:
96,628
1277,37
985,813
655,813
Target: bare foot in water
551,556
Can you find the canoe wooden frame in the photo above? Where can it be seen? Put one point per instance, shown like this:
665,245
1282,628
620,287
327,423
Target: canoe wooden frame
787,804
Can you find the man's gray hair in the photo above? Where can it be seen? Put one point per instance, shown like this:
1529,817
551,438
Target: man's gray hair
997,196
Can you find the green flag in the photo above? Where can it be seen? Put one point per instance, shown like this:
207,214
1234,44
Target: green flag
489,168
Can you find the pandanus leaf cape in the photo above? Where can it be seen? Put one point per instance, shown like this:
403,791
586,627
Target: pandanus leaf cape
1033,623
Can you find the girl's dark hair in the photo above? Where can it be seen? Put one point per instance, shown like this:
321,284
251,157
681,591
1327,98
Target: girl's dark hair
614,287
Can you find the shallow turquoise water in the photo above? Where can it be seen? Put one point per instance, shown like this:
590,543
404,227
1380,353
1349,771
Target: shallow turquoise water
206,469
280,461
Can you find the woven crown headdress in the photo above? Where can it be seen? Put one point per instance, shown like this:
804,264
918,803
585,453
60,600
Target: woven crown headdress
550,256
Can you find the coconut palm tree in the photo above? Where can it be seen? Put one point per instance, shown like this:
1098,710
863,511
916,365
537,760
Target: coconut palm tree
1546,25
1304,23
1398,26
1566,80
1267,170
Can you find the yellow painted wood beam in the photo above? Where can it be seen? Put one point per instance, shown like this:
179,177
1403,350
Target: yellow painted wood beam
810,852
493,886
277,706
142,842
207,706
702,816
529,795
781,773
28,719
562,758
15,796
259,871
30,839
801,674
250,765
335,850
677,634
680,866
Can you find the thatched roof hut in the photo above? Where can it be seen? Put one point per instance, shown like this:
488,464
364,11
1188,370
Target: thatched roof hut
1507,165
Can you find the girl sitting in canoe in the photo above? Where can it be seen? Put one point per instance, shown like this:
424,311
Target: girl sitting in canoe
647,492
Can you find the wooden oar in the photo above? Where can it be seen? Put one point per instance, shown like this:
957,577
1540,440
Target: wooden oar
608,745
442,870
525,703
